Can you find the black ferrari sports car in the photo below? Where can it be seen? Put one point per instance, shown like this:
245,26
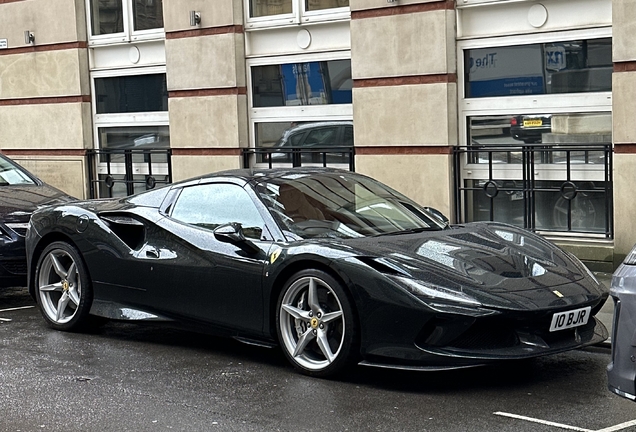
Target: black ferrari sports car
20,194
333,266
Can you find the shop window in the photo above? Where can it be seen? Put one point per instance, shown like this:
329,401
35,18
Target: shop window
124,20
309,83
136,93
574,66
273,12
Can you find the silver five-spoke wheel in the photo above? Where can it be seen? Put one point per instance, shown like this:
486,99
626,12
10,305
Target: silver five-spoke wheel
315,323
60,279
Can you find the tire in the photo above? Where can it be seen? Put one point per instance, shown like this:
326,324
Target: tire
319,336
63,288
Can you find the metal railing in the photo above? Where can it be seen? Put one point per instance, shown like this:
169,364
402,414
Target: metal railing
553,188
134,169
299,156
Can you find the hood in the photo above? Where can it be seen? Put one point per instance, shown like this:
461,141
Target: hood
496,264
18,202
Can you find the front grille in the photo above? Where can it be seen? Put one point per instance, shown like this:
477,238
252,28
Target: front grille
486,336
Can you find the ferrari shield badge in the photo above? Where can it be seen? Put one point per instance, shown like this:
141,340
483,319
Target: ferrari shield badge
274,256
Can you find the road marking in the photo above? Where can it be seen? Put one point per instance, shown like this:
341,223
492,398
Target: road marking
618,427
564,426
544,422
16,308
13,309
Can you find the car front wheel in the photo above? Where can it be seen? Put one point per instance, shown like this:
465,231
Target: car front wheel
63,288
316,325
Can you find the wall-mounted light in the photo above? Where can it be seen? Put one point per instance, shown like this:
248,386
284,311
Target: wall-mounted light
29,38
195,18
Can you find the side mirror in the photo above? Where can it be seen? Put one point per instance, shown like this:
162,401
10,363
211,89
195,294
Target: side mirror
232,233
438,215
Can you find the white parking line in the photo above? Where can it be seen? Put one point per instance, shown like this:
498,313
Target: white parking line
564,426
544,422
618,427
16,308
13,309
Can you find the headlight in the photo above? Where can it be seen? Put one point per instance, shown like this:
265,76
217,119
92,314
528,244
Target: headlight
434,292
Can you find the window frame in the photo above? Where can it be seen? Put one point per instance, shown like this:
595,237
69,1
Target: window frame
528,104
556,103
128,35
299,15
305,113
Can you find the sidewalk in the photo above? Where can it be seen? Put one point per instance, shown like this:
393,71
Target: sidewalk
607,312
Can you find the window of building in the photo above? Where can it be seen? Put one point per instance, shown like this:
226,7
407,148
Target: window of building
135,93
281,12
573,66
131,130
111,21
302,103
537,150
308,83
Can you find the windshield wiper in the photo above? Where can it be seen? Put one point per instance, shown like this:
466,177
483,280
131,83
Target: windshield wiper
407,231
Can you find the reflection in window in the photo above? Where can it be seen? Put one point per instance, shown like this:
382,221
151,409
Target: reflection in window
329,139
293,84
260,8
106,17
211,205
562,128
147,14
136,93
559,67
312,5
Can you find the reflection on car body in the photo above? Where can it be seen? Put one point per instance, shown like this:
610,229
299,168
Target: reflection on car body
331,265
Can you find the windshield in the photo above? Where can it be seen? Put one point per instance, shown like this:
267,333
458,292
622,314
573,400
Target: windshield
341,204
11,174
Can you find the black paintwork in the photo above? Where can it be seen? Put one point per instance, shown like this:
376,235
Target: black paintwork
142,260
17,203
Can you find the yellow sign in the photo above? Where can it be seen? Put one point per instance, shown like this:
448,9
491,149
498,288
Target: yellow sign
274,256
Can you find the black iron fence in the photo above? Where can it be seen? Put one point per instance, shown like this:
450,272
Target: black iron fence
271,157
123,172
558,188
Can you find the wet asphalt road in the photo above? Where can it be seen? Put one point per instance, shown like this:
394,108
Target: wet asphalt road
126,377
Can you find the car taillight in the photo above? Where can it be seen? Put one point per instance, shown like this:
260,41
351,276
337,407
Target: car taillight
513,122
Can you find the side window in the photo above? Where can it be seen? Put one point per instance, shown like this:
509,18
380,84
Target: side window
210,205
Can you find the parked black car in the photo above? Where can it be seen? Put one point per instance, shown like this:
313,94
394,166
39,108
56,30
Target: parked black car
333,266
20,194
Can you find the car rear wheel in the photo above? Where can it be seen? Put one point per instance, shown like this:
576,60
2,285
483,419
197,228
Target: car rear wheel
316,325
63,288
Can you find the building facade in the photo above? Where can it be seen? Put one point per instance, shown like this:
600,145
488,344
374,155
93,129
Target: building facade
509,110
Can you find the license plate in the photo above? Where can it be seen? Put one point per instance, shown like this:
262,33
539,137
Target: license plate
569,319
533,123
